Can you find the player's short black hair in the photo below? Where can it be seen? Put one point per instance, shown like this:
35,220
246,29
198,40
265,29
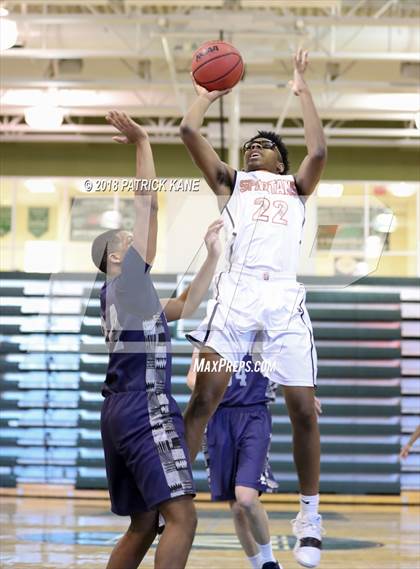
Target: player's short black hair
274,137
102,245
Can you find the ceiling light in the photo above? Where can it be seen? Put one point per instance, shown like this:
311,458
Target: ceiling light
41,186
330,190
402,190
44,117
385,223
8,33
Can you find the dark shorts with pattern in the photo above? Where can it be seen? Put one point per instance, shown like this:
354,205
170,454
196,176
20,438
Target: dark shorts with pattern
146,457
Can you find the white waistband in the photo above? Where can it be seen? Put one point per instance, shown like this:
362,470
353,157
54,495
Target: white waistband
261,274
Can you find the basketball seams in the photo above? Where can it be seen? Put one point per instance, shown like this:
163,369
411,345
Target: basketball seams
218,57
203,83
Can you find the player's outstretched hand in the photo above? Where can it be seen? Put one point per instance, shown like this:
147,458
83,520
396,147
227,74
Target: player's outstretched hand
212,240
405,451
300,61
131,132
209,95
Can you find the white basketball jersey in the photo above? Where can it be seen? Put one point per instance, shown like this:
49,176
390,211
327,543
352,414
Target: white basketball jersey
264,219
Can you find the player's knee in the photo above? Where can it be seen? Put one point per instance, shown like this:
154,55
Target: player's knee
303,415
141,524
189,522
237,510
182,513
246,500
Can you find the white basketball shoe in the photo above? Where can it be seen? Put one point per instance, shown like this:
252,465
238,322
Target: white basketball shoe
308,531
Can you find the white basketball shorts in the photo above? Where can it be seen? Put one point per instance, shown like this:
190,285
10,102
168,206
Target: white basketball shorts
263,314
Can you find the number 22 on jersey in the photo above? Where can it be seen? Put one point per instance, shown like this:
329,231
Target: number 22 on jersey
270,211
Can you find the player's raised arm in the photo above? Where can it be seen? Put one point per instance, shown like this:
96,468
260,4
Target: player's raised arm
310,170
218,175
145,201
406,448
187,303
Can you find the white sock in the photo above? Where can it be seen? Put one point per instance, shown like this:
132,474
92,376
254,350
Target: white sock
256,561
309,505
266,552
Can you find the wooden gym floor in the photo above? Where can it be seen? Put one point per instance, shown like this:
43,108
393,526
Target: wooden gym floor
42,531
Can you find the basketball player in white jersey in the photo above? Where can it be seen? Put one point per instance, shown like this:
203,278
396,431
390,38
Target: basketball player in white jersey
258,307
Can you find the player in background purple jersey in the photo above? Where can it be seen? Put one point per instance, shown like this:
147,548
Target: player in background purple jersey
146,457
236,451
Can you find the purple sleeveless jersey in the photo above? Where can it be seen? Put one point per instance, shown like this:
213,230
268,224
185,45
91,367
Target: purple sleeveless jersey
135,330
248,387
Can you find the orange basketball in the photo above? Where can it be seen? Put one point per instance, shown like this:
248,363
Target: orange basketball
217,65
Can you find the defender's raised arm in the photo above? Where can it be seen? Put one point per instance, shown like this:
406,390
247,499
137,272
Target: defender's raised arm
189,300
145,201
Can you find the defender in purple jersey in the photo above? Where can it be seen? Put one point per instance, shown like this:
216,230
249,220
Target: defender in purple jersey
236,451
146,457
236,448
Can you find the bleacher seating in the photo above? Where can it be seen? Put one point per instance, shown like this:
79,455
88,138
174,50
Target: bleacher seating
53,360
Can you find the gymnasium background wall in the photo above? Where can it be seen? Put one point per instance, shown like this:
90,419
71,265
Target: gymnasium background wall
45,159
181,229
